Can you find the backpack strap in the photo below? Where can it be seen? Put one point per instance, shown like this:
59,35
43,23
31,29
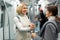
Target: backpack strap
18,18
54,26
19,21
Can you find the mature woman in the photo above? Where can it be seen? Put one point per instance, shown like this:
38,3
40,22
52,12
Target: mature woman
22,23
51,28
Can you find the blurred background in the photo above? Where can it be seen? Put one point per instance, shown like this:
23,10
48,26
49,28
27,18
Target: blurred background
8,12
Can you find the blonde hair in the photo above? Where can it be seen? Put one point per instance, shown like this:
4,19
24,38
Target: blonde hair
19,8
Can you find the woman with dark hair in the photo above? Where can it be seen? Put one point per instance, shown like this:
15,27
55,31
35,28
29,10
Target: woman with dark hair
51,28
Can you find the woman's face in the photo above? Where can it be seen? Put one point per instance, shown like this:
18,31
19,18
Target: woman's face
48,14
24,9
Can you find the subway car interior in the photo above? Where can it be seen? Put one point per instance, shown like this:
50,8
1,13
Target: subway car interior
8,12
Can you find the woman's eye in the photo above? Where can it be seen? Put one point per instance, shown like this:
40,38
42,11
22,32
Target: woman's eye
25,8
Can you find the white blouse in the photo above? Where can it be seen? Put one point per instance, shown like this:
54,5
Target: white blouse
22,23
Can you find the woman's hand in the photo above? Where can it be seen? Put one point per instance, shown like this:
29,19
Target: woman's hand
40,19
33,35
32,26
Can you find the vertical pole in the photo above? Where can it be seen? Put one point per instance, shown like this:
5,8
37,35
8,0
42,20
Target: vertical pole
8,21
3,23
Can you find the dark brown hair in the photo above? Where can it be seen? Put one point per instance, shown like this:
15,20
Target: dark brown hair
53,9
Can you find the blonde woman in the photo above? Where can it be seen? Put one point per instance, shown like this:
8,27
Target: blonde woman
22,23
